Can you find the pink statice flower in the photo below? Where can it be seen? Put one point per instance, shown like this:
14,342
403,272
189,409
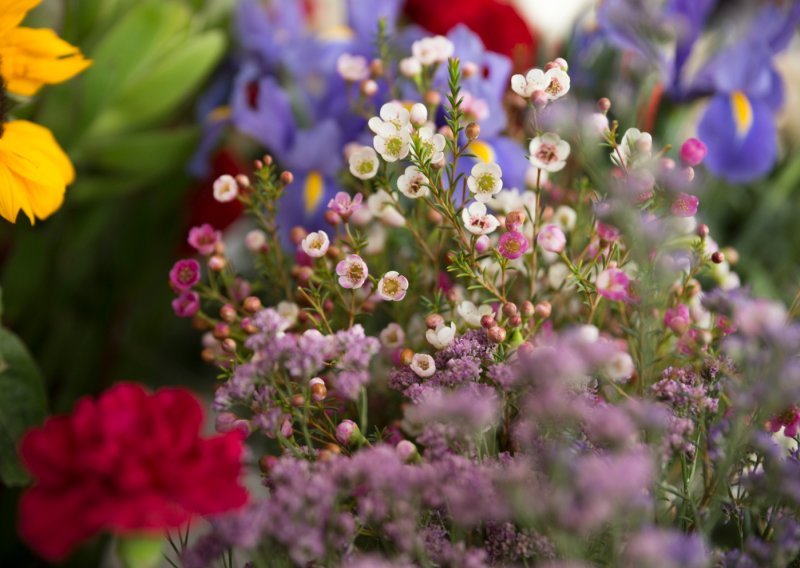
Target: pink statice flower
203,239
552,239
613,283
685,205
512,245
345,205
184,274
186,304
352,271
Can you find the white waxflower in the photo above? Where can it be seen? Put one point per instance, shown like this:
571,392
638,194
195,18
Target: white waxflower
418,114
376,239
392,113
441,336
392,336
392,144
557,275
363,163
423,365
288,311
565,217
554,83
430,50
410,67
316,244
392,286
413,183
485,180
225,188
634,146
382,205
472,314
620,368
432,145
513,199
549,152
477,221
255,240
352,68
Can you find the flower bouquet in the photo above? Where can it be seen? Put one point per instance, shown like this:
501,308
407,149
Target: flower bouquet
444,369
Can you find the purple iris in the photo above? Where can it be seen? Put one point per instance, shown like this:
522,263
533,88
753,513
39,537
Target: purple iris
745,91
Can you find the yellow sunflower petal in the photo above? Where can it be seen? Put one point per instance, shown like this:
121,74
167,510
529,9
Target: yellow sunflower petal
30,58
12,12
34,171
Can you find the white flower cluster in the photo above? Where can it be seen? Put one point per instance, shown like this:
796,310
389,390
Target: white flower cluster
543,86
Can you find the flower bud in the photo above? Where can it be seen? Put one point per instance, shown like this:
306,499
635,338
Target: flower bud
256,241
304,275
527,308
515,220
376,68
319,391
604,105
539,99
252,304
515,320
731,255
298,400
333,252
473,130
229,345
469,69
217,263
248,326
297,234
267,463
267,159
221,331
228,313
287,177
419,114
432,98
410,67
482,244
510,309
435,217
446,131
347,433
488,321
369,88
332,217
208,355
406,355
406,451
543,310
433,321
717,257
693,152
225,422
286,428
703,230
496,334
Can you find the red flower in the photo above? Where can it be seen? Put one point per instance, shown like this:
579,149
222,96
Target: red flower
497,23
129,461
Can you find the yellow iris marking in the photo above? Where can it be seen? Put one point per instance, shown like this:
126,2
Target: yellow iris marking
742,113
337,33
313,191
483,151
219,113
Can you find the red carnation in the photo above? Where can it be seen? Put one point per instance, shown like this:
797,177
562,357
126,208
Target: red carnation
128,462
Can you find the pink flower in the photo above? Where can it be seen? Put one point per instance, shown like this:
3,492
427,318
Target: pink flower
203,238
607,233
512,244
677,319
187,304
693,152
552,239
316,244
392,287
789,421
685,205
344,205
612,283
184,274
352,271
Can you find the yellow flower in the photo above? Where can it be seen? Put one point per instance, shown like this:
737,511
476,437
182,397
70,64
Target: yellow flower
34,170
30,58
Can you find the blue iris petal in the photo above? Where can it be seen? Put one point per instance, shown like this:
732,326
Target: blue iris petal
733,154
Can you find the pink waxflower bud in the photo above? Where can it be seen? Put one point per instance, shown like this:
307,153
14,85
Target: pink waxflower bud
217,263
515,220
406,450
318,389
482,244
539,99
347,433
552,239
693,152
369,88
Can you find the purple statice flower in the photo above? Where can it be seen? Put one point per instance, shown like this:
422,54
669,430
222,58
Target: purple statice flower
509,545
677,439
503,374
659,548
308,355
354,351
471,409
686,392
